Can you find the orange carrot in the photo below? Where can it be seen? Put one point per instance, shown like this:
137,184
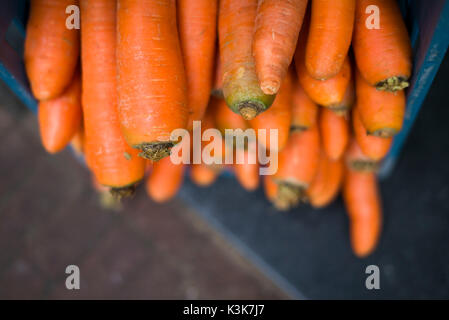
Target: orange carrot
60,118
362,201
247,173
374,147
383,55
197,22
327,93
327,182
114,163
357,160
152,88
329,37
304,110
203,175
297,165
240,84
276,33
334,130
382,113
51,49
278,117
165,180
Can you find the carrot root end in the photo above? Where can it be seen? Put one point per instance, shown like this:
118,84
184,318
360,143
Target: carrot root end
250,109
393,84
155,151
122,192
289,196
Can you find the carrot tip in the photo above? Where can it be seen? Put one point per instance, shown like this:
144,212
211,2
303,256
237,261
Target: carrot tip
384,133
288,196
393,84
155,151
122,192
249,109
270,87
364,165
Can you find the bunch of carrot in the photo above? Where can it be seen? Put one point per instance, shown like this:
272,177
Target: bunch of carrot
327,75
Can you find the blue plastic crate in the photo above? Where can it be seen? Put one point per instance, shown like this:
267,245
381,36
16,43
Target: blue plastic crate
428,23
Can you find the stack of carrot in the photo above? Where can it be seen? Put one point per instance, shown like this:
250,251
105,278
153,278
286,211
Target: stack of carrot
328,75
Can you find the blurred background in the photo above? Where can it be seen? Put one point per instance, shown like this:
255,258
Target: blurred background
220,242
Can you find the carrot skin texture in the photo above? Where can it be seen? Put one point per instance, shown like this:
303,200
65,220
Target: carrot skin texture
240,83
374,147
152,86
326,184
382,112
304,110
383,55
277,27
197,22
348,101
165,180
362,200
278,117
60,118
113,162
51,49
330,35
334,130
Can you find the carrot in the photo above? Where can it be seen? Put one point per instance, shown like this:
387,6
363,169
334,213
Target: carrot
374,147
60,118
334,130
327,182
165,180
357,160
304,110
247,173
362,200
329,37
152,88
203,175
51,49
278,117
297,165
276,33
348,101
383,55
328,93
382,113
78,140
114,163
197,22
240,84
